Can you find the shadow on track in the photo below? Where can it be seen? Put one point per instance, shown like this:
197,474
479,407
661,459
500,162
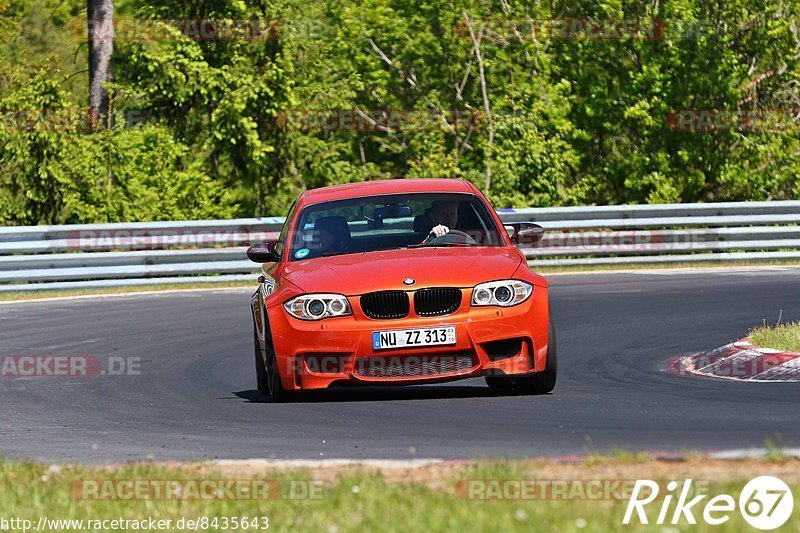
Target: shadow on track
381,394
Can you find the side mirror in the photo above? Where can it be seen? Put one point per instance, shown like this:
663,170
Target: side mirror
524,233
264,252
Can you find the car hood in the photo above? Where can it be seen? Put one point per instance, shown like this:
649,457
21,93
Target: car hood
354,274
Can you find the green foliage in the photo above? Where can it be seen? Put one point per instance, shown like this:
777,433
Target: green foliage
55,169
552,121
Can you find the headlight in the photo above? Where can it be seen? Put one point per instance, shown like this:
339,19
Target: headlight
318,306
503,293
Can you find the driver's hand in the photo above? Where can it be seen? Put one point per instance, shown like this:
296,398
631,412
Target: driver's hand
439,231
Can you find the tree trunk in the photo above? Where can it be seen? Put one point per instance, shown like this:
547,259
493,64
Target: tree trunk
100,22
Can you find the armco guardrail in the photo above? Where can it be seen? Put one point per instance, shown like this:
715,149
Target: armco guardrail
105,255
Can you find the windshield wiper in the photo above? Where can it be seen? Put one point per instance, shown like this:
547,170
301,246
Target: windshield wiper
330,254
442,245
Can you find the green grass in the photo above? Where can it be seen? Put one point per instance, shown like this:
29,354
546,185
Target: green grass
775,452
617,456
784,337
33,295
352,500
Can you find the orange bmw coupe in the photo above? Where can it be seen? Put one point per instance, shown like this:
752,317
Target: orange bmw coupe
397,282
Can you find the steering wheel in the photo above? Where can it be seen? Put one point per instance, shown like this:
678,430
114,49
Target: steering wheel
453,236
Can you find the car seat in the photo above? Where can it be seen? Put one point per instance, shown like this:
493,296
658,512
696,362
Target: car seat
333,233
423,223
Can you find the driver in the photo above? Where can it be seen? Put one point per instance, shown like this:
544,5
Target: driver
444,216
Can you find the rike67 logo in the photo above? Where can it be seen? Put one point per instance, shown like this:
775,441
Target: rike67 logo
766,503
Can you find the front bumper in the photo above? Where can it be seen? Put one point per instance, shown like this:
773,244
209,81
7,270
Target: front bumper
336,351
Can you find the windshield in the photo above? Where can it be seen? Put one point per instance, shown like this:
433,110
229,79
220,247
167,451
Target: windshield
392,221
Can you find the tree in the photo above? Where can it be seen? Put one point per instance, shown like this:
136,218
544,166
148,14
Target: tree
100,23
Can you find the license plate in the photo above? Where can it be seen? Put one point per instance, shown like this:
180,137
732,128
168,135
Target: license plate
404,338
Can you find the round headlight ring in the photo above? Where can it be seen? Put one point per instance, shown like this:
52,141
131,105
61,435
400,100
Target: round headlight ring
315,308
336,307
483,296
503,294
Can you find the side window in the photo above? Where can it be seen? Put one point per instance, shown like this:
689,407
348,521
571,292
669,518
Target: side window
285,229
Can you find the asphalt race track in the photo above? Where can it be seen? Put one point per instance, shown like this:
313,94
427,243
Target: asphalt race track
195,397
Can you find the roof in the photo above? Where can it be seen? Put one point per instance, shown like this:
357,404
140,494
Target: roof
389,186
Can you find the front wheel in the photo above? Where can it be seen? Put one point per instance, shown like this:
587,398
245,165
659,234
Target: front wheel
545,381
262,379
538,383
267,377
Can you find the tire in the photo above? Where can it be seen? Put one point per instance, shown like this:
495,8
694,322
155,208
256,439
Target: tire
261,372
500,383
545,381
538,383
267,377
